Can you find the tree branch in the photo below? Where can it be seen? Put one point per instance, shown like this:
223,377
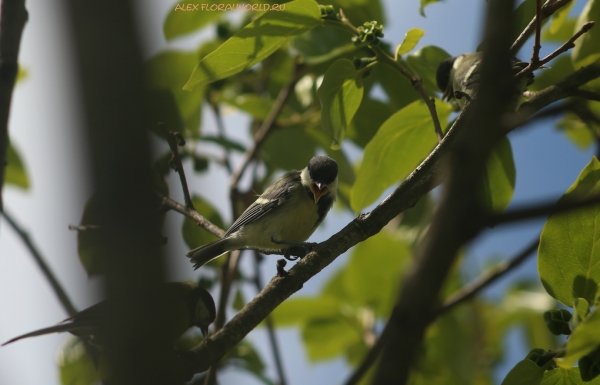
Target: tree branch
63,298
492,275
266,126
541,210
589,95
417,184
463,295
13,17
207,225
562,49
175,139
548,10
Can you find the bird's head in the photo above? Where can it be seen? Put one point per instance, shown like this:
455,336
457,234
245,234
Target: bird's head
204,309
320,176
442,76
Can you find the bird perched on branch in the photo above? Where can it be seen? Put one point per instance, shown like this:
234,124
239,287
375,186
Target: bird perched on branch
185,305
462,73
285,215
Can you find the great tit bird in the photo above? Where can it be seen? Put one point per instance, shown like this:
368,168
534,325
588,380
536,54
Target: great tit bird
463,73
285,215
187,305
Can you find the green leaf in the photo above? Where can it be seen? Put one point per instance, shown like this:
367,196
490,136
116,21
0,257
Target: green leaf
425,3
499,178
224,142
576,130
15,173
560,35
238,300
586,47
370,116
401,143
560,18
522,16
581,307
256,41
168,71
364,268
194,235
22,74
411,39
569,262
398,89
526,372
341,93
245,356
425,62
189,16
327,338
323,43
584,339
568,376
258,107
162,107
289,148
75,366
298,311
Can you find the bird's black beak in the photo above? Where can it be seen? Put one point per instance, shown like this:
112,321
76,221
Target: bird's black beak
318,190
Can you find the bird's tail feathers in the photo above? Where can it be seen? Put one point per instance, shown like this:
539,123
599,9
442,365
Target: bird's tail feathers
206,253
66,327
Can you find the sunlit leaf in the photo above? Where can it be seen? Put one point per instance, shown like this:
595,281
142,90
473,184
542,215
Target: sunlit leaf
75,366
326,338
586,47
258,107
526,372
499,177
298,311
255,42
570,376
425,3
562,34
364,268
584,339
340,93
569,261
411,39
323,43
576,130
189,16
401,143
370,116
15,173
289,148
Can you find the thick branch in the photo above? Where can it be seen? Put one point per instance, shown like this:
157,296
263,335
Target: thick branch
63,298
13,16
193,214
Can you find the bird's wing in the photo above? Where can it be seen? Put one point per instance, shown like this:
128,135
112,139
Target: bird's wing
273,196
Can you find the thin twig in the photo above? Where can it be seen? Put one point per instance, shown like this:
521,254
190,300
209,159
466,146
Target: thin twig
222,134
548,10
469,291
207,225
63,298
535,55
541,210
560,50
269,323
266,126
13,17
175,139
415,81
